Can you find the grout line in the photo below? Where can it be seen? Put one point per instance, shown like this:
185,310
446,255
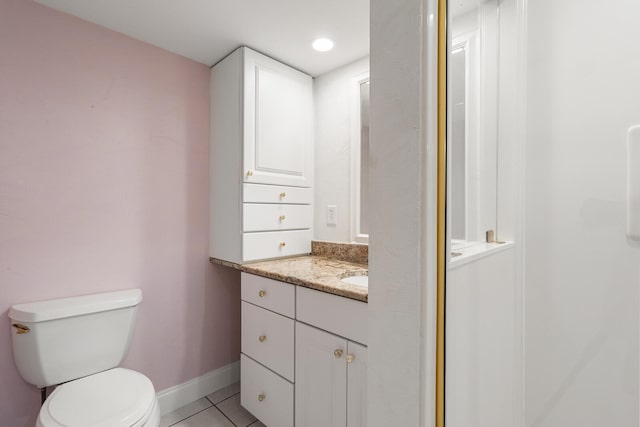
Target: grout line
225,415
225,399
194,414
213,403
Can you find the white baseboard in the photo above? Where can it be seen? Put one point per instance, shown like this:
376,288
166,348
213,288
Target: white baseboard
182,394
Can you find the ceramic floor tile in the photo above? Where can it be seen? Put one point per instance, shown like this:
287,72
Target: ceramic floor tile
185,412
211,417
236,413
224,393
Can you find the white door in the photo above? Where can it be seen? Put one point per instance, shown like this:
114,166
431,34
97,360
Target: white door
356,385
321,378
278,123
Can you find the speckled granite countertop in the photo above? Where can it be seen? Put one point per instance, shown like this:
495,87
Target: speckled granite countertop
314,272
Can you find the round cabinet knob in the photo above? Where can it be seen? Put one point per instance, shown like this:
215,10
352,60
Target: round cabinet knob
249,173
338,354
262,294
262,338
261,397
350,358
283,195
283,244
282,217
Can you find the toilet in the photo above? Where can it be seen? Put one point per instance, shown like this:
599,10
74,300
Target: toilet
77,344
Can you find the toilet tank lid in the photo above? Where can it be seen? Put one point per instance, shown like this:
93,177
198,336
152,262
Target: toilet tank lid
75,306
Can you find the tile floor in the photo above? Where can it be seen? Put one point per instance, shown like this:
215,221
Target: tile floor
219,409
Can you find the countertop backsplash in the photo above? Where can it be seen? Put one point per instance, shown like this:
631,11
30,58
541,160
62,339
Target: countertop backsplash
350,252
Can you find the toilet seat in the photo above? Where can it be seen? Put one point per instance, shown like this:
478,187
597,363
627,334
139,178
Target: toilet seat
114,398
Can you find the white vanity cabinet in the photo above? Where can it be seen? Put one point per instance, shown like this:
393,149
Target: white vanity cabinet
302,343
261,159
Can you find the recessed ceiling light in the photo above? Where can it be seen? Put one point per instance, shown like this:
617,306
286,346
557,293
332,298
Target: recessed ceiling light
322,45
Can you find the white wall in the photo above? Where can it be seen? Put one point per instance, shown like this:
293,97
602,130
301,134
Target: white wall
104,147
483,343
333,97
582,276
402,241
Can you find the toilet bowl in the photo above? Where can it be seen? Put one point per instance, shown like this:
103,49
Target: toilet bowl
114,398
76,344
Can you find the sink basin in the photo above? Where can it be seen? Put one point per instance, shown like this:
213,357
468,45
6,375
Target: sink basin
357,280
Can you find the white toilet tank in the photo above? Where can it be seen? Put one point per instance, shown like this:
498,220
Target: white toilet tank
61,340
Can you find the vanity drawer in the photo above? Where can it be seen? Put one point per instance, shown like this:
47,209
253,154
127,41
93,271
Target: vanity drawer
261,217
348,317
275,244
268,338
260,193
266,395
270,294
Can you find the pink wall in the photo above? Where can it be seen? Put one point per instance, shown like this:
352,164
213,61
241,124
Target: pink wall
104,186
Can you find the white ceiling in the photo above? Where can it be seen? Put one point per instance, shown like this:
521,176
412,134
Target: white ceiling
207,30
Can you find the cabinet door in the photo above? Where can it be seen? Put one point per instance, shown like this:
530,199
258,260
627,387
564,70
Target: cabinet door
321,378
278,123
357,385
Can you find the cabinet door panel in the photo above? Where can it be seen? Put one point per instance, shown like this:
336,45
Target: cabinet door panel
357,385
321,378
278,123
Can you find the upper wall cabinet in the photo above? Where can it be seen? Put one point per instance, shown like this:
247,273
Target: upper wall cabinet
278,127
261,162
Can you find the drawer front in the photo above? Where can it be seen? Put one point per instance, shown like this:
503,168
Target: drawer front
260,217
270,294
266,395
267,337
275,244
257,193
348,317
